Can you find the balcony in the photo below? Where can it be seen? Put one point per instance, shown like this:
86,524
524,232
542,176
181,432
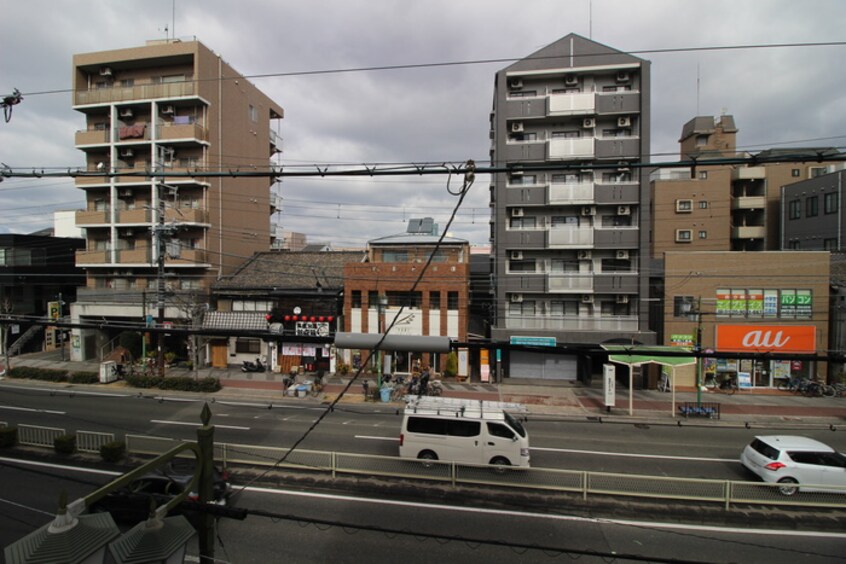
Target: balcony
186,215
576,237
564,148
92,257
172,131
627,323
748,232
749,173
188,257
138,215
577,193
92,137
275,142
571,104
135,256
99,217
569,282
137,92
749,203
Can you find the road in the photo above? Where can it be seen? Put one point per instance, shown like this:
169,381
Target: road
691,451
300,526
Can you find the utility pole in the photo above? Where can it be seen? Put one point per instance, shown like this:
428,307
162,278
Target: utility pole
7,309
698,349
160,233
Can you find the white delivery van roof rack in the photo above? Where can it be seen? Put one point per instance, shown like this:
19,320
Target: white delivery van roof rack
460,407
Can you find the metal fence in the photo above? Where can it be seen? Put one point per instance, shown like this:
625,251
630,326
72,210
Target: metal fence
725,492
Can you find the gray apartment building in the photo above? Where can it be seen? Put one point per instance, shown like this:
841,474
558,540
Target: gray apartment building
569,225
812,214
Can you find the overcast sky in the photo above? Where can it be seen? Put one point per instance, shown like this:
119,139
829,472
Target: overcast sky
789,96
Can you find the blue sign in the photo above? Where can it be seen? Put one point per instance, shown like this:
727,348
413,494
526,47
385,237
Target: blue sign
534,341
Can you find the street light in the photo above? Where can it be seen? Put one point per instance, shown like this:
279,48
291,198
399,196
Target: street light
695,314
381,306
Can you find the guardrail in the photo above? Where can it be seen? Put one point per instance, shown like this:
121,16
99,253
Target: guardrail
584,483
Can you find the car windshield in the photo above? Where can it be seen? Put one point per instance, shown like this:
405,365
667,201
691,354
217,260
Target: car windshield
512,421
765,449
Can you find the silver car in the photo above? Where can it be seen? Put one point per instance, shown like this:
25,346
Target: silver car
792,460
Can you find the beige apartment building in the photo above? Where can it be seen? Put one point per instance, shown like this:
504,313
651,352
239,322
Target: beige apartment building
717,207
157,118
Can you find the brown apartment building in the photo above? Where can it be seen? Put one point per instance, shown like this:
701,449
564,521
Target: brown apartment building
378,293
156,118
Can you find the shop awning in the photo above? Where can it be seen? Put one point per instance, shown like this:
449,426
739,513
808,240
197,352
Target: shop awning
638,355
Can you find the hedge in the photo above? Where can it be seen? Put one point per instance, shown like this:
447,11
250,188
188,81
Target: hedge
8,437
65,444
180,383
33,373
84,378
112,451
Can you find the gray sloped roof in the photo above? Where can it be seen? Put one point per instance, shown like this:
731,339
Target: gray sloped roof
243,320
290,271
586,52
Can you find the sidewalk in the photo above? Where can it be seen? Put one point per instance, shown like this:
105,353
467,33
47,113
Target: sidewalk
542,397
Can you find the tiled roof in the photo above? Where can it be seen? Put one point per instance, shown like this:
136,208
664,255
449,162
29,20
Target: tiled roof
290,270
241,320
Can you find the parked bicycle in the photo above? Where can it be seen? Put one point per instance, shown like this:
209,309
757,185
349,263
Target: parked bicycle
726,384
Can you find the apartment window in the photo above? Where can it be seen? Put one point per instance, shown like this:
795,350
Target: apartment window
566,134
372,299
253,113
830,244
524,179
523,222
355,298
562,308
522,265
684,206
793,245
523,309
5,257
703,204
795,173
703,175
434,300
522,94
794,209
252,305
703,234
251,346
610,308
830,202
684,235
394,256
567,178
812,206
816,171
684,306
404,299
171,78
452,300
562,265
524,136
562,220
127,83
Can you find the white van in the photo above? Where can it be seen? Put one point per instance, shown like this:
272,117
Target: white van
467,431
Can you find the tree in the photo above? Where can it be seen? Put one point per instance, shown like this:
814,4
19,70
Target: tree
451,368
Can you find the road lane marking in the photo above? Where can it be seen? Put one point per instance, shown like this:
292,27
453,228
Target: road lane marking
33,410
635,455
166,422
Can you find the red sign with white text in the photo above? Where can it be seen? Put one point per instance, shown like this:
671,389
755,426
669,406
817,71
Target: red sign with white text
767,338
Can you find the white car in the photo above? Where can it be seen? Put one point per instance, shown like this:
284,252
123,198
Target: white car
791,460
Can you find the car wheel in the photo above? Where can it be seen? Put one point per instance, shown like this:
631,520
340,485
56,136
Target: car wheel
427,456
499,463
787,489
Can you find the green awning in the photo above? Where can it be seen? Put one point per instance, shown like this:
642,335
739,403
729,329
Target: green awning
638,355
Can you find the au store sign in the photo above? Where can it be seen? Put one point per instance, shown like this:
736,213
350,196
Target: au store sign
767,338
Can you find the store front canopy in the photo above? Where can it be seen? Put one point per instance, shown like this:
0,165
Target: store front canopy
638,355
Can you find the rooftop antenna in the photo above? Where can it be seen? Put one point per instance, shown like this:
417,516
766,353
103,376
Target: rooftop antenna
590,19
173,18
697,88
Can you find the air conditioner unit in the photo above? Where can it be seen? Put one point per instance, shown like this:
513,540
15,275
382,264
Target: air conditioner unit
588,123
622,255
622,299
623,76
126,232
516,212
624,210
127,153
168,110
624,121
126,113
584,255
588,210
516,255
516,298
571,80
517,127
105,71
587,298
125,193
515,83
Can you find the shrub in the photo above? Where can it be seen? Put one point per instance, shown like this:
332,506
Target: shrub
451,368
8,437
180,383
343,368
33,373
142,381
65,444
84,378
113,451
208,385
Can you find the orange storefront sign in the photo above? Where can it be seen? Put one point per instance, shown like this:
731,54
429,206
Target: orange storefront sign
767,338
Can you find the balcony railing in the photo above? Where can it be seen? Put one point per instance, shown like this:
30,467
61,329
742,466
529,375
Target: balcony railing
570,104
135,256
170,131
134,216
188,257
749,232
577,193
98,217
573,323
93,257
570,237
186,215
569,282
92,137
566,148
137,92
749,203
